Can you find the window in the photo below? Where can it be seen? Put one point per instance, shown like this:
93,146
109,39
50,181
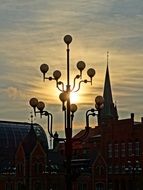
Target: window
123,149
137,167
7,186
82,186
137,148
110,169
36,168
19,168
85,151
110,185
130,149
99,170
123,169
99,186
20,186
109,150
116,169
116,150
38,186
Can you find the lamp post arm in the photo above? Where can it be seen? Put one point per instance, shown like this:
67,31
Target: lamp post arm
74,82
87,119
50,126
79,85
60,83
49,121
93,113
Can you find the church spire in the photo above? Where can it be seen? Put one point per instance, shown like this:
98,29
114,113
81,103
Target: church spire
107,94
109,110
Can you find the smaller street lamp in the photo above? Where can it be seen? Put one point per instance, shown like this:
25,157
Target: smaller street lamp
99,103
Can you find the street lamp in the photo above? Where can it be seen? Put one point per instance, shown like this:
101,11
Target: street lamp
67,107
99,103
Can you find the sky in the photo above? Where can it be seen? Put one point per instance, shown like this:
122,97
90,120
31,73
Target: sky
32,32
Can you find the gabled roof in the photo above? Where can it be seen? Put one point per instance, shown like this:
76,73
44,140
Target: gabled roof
29,142
93,132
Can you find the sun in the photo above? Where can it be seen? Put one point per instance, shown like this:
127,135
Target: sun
73,97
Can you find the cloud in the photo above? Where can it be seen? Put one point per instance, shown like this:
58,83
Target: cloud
13,93
32,32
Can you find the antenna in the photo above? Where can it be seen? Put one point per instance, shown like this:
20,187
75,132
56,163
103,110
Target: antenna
31,118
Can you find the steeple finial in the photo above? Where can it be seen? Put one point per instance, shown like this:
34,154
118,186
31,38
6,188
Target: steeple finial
31,118
107,57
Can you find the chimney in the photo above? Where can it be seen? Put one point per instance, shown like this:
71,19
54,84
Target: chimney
141,119
56,140
132,117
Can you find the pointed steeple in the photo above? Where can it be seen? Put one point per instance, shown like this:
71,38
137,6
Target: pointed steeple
109,110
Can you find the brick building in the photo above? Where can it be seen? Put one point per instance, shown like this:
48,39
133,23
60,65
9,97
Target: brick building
111,156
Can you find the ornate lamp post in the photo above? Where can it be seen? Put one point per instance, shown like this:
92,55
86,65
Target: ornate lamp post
67,107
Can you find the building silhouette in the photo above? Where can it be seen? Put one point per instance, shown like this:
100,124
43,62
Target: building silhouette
110,157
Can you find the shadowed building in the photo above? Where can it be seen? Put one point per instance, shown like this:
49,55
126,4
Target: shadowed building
116,146
26,163
22,146
11,135
110,157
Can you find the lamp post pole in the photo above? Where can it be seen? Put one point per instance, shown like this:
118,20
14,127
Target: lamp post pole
68,126
67,107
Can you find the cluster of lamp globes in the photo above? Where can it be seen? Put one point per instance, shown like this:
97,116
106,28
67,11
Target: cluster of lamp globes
64,96
99,103
80,66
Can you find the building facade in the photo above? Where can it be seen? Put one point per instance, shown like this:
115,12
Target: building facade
114,148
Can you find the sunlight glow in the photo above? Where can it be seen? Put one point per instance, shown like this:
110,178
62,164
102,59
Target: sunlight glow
73,97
